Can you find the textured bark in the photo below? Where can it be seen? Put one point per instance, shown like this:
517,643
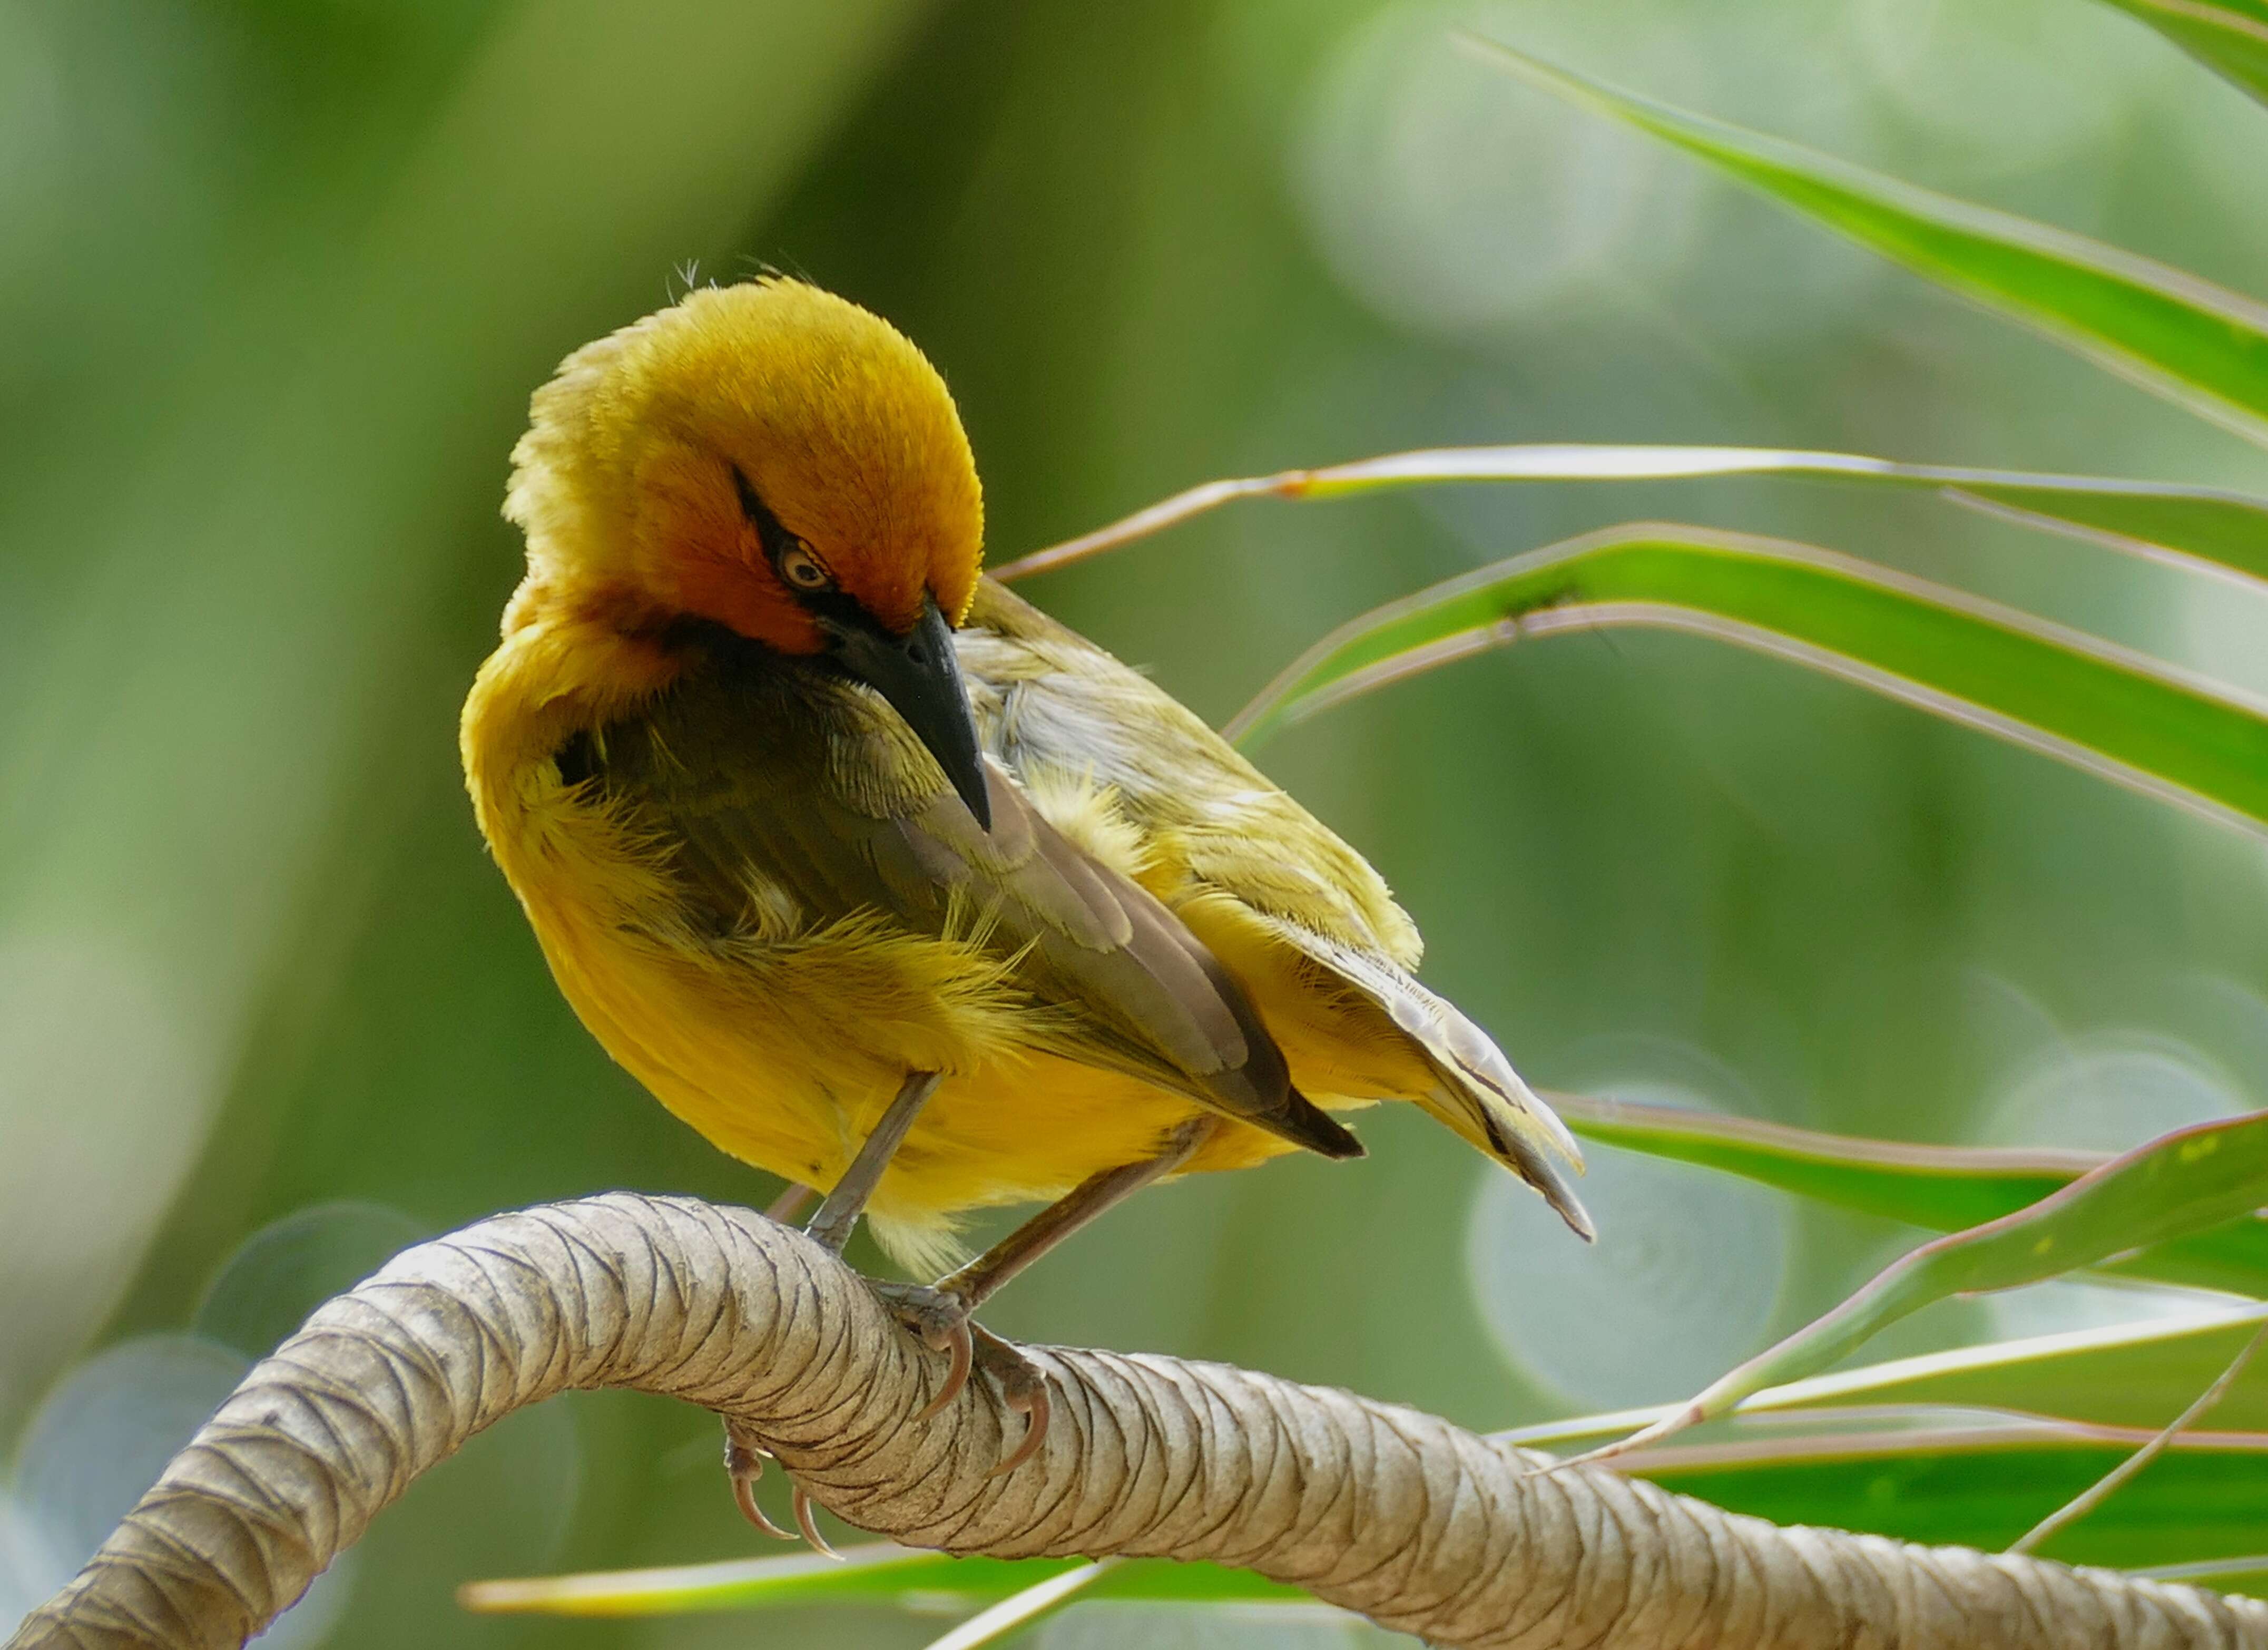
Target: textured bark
1416,1524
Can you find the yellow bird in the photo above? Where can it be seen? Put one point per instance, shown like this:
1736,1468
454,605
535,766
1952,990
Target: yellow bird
876,875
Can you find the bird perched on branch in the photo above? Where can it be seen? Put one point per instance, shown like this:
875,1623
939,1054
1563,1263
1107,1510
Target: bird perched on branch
876,875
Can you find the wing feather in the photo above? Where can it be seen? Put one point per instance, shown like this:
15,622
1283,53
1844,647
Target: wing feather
742,780
1060,704
1478,1094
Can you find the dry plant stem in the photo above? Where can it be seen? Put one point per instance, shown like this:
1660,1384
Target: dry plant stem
1156,518
1411,1521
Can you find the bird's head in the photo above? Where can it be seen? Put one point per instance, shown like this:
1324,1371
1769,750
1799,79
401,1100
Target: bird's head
775,459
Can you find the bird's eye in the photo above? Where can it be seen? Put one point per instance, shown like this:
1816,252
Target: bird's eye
801,569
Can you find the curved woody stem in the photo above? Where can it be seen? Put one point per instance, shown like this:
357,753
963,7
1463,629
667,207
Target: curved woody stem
1419,1525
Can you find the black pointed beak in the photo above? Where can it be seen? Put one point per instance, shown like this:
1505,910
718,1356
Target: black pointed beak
919,675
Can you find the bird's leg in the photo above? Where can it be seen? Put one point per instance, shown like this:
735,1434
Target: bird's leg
980,1279
744,1455
839,1214
939,1314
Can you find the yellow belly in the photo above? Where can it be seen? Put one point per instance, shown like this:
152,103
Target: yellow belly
785,1053
788,1061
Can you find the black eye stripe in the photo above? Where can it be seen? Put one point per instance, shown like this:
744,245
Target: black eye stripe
767,525
776,539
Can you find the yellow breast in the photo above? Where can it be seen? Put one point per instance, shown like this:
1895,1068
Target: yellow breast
784,1053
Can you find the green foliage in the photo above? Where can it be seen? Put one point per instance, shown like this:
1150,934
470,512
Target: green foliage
2134,1376
2188,1182
2101,708
2210,525
2199,345
281,277
899,1576
2229,37
1943,1188
1984,1486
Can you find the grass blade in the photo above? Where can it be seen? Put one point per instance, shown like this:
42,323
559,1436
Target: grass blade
881,1572
2103,708
2245,1573
2200,526
2110,1483
2200,345
2132,1375
2229,37
882,1575
1034,1604
1982,1486
1942,1188
2185,1182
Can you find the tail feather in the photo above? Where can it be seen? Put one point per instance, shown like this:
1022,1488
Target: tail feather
1515,1149
1468,1059
1319,1131
1478,1094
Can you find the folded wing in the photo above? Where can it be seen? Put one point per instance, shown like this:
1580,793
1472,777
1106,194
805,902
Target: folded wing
751,793
1241,860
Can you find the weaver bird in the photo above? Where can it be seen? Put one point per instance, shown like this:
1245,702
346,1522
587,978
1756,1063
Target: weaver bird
879,877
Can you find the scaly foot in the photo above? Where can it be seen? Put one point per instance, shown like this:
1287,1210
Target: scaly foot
938,1318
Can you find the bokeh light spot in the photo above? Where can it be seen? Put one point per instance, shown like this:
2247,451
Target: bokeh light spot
287,1269
1452,200
104,1435
1680,1285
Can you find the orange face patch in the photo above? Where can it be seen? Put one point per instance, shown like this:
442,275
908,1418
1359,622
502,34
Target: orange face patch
841,429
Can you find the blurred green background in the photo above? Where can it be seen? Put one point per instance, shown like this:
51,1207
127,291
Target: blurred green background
277,277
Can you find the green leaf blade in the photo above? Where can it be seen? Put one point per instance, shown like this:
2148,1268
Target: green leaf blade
1982,1487
2136,1376
1019,1611
882,1575
2187,1181
2201,346
1941,1188
2206,527
2100,708
2229,37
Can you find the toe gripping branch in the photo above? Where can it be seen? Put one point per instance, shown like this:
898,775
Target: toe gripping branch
941,1325
939,1316
744,1464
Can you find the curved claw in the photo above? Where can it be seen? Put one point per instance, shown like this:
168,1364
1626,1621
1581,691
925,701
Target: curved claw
804,1522
963,1348
744,1496
1038,1409
744,1464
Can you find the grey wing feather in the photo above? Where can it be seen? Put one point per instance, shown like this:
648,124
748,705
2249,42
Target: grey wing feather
1057,701
1476,1080
719,785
